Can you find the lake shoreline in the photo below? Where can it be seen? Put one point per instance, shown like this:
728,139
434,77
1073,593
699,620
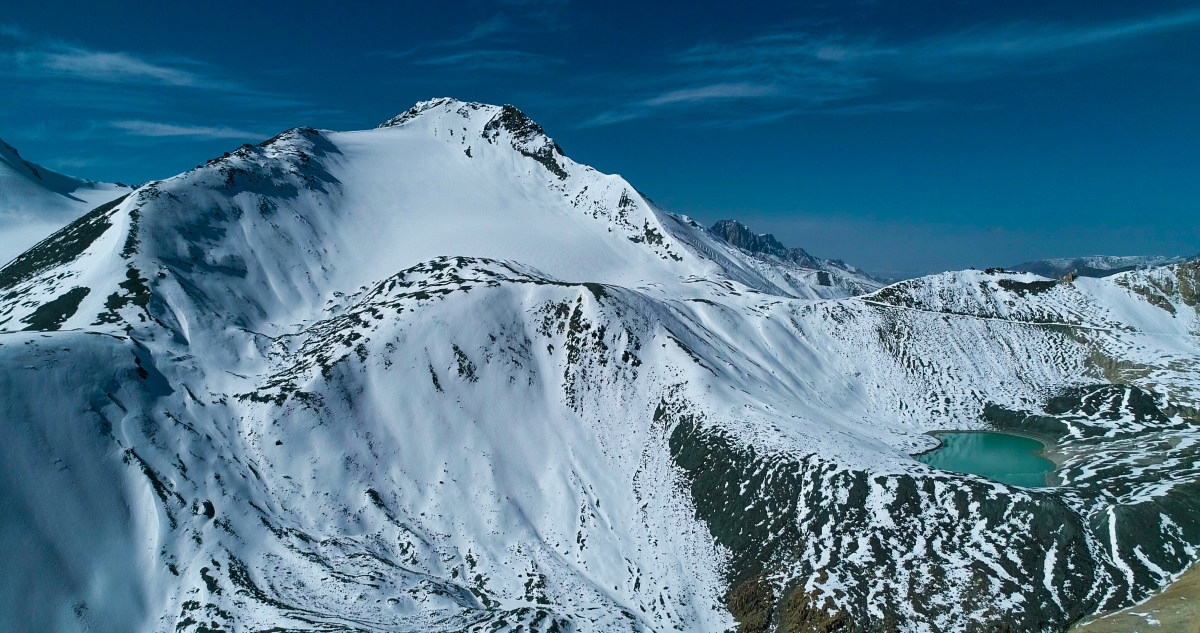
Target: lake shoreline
1045,451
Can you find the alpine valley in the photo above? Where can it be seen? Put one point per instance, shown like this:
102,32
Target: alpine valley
436,376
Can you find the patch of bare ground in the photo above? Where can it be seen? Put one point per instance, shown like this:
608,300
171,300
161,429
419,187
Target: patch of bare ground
1176,609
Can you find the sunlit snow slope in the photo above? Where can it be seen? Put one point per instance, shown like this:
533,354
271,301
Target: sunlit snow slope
35,201
437,376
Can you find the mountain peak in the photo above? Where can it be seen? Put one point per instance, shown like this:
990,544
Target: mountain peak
798,263
740,235
490,122
266,363
444,108
442,104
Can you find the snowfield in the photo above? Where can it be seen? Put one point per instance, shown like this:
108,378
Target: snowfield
437,376
35,201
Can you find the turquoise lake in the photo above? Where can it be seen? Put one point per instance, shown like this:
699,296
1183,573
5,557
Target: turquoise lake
1008,459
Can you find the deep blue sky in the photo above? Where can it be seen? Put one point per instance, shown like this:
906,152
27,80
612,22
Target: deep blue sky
901,136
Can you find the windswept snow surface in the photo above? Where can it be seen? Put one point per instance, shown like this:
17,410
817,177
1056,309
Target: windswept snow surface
35,201
437,376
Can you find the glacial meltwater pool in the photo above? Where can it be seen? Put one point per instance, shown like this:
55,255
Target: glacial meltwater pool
1008,459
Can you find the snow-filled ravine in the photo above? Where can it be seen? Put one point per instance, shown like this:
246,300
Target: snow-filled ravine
437,376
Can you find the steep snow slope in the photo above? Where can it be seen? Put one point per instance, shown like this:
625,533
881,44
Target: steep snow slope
35,201
439,377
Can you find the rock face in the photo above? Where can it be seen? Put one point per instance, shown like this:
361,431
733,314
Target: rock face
437,376
798,270
742,237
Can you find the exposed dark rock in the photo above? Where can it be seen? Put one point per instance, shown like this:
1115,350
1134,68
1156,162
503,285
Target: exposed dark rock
61,247
527,138
741,236
52,314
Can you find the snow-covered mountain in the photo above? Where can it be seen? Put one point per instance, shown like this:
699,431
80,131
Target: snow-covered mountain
793,268
437,376
1096,265
36,201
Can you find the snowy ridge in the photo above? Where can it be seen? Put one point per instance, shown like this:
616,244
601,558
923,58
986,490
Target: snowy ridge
793,268
1097,265
35,201
438,376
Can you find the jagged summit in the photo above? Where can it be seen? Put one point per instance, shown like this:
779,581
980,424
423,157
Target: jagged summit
421,107
449,107
489,122
823,272
741,236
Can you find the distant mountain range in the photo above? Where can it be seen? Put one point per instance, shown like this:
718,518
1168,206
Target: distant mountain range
793,268
437,376
1097,265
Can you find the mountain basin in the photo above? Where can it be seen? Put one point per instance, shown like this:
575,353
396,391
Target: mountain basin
1010,459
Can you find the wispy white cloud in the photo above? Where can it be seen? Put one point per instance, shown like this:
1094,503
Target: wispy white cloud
102,66
25,55
807,69
157,129
492,60
790,70
1022,41
399,54
494,43
684,96
713,92
481,30
74,68
71,163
